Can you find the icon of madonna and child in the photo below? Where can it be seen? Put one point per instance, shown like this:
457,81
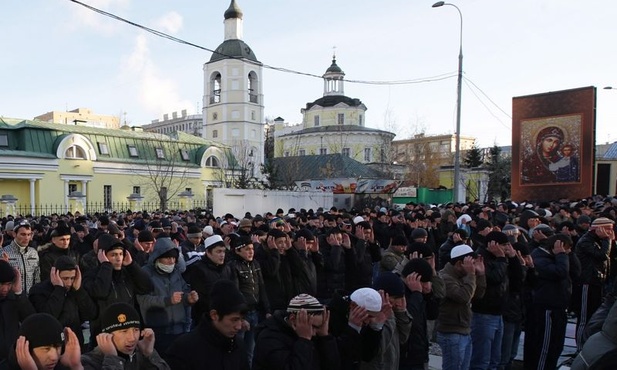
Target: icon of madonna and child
550,158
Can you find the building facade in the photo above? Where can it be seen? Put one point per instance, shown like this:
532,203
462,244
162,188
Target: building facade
191,124
80,117
233,102
52,164
333,124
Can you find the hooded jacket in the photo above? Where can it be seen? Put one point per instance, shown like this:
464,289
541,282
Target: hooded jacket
598,344
156,308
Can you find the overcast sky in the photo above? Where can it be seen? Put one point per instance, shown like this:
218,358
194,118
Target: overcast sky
57,55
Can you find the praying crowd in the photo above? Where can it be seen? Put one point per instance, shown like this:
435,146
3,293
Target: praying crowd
311,289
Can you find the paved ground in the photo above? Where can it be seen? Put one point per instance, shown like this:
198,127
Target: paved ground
568,351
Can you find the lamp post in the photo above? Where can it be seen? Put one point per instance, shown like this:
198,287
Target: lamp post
457,151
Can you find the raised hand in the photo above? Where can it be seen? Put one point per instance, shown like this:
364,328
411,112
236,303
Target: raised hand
346,241
271,242
413,282
495,249
302,325
128,259
102,256
146,345
54,277
357,316
5,256
77,281
106,344
17,285
24,358
323,330
71,357
528,261
301,243
138,245
332,240
478,263
386,310
558,247
468,265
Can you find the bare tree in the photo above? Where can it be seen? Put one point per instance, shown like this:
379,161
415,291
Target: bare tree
164,173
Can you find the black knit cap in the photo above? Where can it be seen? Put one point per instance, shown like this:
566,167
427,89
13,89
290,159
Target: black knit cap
41,330
420,266
390,283
497,236
119,316
226,298
145,236
304,233
108,242
65,263
7,273
61,230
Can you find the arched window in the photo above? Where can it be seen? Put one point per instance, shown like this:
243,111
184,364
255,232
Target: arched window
215,83
253,88
212,161
75,152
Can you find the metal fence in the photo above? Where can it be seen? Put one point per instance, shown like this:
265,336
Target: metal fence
100,207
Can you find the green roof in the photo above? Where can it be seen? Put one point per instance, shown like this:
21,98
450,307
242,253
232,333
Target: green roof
41,139
315,167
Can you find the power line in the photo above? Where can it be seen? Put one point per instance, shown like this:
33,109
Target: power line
489,99
485,106
164,35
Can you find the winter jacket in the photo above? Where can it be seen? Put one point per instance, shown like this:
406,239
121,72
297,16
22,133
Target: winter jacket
278,291
390,259
593,253
359,264
498,271
96,360
598,318
27,261
71,307
251,284
354,344
394,335
49,253
201,276
306,277
455,309
599,343
13,310
156,308
332,277
206,348
278,347
444,252
553,288
107,286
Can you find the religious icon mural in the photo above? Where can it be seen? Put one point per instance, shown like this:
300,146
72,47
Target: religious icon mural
550,150
553,136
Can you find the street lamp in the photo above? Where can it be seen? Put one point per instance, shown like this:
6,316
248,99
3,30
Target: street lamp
457,152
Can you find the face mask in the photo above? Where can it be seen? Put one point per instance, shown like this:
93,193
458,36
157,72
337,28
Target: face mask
168,269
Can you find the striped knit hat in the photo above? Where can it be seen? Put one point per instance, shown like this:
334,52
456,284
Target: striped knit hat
306,302
602,221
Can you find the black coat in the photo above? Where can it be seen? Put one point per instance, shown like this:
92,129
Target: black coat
49,253
13,310
359,264
71,307
206,348
201,276
593,253
277,347
107,286
251,284
332,277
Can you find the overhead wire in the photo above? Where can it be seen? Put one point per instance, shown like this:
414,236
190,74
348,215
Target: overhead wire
164,35
485,106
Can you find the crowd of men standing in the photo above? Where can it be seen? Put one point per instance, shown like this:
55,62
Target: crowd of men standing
323,289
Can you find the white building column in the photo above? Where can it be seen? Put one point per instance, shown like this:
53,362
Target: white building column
84,185
66,195
32,195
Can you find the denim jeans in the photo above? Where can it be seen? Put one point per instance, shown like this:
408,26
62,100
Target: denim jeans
249,336
509,344
486,336
455,350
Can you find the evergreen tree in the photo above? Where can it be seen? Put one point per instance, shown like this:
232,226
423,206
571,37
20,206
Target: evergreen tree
473,158
500,168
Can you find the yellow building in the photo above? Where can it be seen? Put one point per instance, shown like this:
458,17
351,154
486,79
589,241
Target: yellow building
46,166
80,117
333,124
